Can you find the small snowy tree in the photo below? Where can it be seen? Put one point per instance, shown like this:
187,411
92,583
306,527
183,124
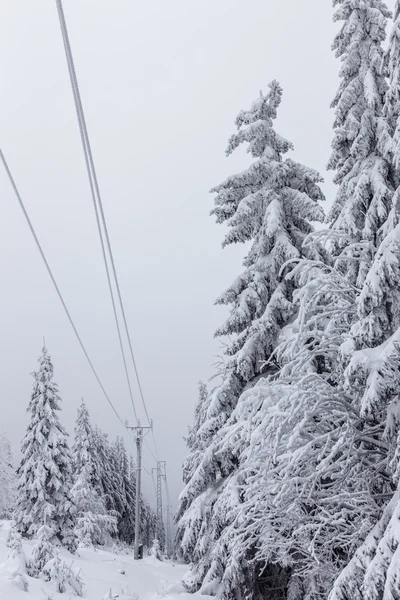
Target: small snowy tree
62,576
43,551
8,478
155,551
17,563
44,486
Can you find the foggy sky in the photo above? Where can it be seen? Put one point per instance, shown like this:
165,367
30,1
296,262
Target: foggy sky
161,83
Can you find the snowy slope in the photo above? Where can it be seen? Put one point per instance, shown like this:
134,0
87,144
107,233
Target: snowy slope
101,572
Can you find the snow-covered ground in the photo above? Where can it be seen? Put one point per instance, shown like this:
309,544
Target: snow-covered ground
102,571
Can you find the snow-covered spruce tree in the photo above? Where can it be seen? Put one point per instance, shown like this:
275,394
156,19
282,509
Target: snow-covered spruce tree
155,550
392,102
336,460
196,444
336,463
271,205
17,563
94,524
126,521
43,550
360,151
8,478
45,478
373,354
63,577
109,480
194,441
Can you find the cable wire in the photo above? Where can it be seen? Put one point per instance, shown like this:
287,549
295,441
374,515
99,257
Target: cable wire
150,450
94,186
27,218
98,207
96,194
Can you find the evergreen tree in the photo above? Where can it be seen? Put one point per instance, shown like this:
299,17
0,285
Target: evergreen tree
8,479
94,523
126,521
328,455
194,441
271,205
17,563
155,551
109,482
44,496
372,374
359,156
62,576
392,102
43,551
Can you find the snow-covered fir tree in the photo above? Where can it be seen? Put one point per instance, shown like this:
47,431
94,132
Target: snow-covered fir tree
108,481
17,564
392,102
45,473
313,448
271,205
126,521
359,156
155,550
43,551
319,455
194,441
8,478
94,524
63,577
372,374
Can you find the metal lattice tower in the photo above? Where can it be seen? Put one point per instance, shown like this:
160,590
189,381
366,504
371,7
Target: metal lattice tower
159,511
169,531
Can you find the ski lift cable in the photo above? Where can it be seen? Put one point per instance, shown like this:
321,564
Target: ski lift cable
35,237
94,187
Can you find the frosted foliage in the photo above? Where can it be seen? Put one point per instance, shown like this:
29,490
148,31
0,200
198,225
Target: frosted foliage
359,158
126,522
43,551
374,571
155,550
45,478
271,204
17,563
195,442
14,542
392,104
63,577
8,479
94,523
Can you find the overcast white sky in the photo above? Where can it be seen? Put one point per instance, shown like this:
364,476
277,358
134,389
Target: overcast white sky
161,84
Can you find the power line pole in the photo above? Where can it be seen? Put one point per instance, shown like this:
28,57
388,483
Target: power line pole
139,434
